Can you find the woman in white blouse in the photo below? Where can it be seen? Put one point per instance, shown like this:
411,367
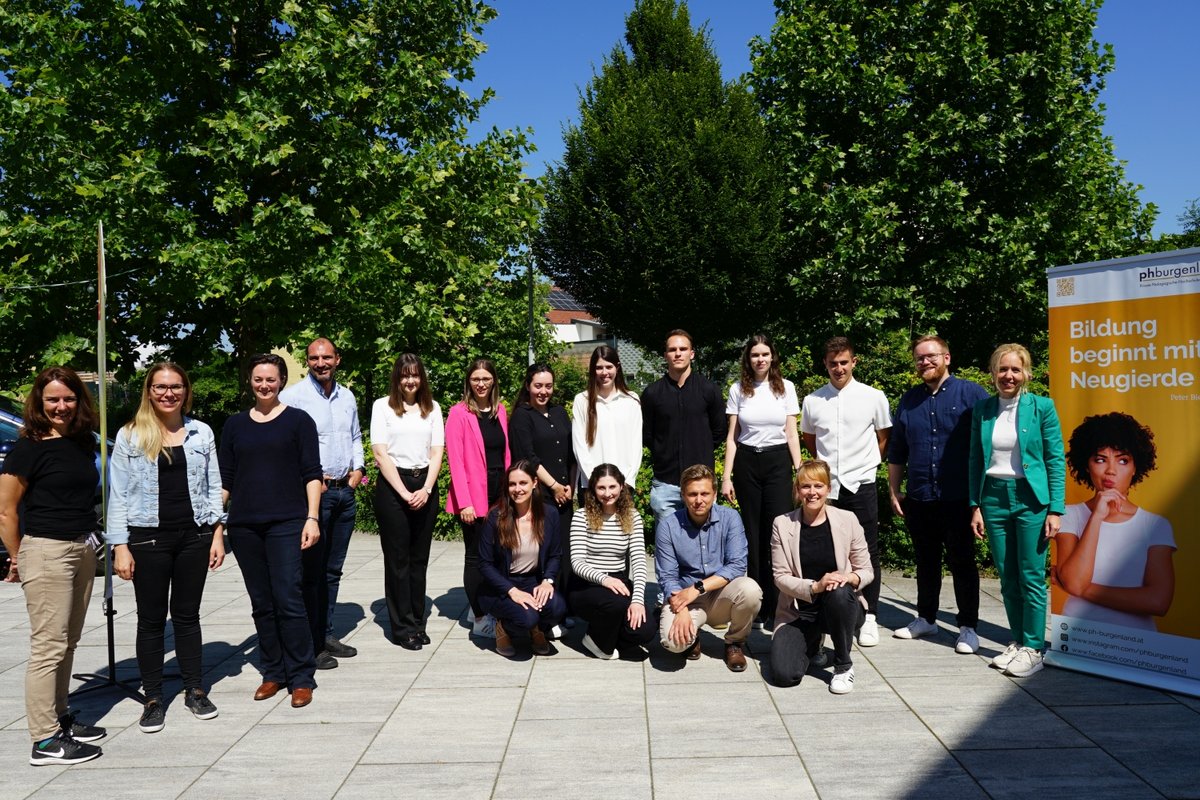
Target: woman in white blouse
607,428
608,557
407,438
765,446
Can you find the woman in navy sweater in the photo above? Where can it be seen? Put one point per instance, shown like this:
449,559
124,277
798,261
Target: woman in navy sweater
271,474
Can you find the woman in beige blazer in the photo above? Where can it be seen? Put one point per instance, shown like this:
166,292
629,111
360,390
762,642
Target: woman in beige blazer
820,563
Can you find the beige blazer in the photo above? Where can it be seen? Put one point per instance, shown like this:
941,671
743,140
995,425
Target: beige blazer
849,548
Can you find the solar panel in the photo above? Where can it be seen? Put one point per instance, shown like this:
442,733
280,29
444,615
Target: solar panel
561,301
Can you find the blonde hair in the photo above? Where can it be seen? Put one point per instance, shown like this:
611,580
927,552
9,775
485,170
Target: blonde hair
812,470
1020,352
145,430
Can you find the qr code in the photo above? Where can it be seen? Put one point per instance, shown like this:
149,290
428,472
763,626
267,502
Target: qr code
1065,287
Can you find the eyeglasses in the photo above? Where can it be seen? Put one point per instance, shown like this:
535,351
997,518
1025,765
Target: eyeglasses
931,357
163,388
482,381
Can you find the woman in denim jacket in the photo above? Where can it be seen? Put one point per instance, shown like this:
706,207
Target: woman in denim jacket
165,525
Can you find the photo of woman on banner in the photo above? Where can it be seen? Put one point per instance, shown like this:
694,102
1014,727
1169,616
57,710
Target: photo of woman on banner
1113,558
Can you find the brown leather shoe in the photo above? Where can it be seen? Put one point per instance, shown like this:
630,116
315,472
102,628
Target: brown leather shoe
537,637
735,659
302,697
694,652
504,645
268,690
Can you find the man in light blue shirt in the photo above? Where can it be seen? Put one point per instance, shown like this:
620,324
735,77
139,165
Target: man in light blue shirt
700,560
335,412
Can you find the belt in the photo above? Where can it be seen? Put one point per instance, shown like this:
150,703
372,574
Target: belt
335,483
771,448
413,472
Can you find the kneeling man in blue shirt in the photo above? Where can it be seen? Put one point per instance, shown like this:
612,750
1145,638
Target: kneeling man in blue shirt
700,559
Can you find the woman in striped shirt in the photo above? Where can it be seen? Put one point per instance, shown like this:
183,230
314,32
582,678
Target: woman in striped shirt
608,557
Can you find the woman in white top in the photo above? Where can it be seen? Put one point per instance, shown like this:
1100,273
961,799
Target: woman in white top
608,557
607,428
408,438
761,450
1115,559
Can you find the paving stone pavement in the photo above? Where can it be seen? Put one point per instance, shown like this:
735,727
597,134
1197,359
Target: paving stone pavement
457,721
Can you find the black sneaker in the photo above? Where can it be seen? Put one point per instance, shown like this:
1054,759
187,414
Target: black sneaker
326,661
78,731
339,649
62,749
198,703
154,716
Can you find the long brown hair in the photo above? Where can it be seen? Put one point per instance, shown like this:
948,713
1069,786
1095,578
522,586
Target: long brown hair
37,424
493,396
594,512
774,375
610,355
506,511
410,364
145,429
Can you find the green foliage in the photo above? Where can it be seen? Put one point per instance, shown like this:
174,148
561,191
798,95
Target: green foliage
939,157
664,211
1189,220
264,172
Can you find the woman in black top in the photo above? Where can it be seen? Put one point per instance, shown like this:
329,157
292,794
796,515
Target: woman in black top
540,433
271,473
52,469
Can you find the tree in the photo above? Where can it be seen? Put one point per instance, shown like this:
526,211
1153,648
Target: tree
265,171
939,157
664,211
1189,220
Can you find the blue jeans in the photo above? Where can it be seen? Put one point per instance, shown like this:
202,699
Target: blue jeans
665,499
269,557
323,562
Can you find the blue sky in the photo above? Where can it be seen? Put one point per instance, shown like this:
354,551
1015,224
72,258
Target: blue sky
542,52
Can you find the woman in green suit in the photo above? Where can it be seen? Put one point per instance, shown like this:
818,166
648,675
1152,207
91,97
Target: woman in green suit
1018,483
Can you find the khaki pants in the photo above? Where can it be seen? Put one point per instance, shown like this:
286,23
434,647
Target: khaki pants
57,578
736,602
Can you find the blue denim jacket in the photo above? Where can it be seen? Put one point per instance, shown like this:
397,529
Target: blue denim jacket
133,483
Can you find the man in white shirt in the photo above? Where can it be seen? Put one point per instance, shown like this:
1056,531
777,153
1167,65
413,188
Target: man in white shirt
846,424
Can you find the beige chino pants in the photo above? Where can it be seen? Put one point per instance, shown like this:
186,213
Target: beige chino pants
736,603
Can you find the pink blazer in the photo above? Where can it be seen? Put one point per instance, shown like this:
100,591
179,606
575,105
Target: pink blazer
468,461
849,549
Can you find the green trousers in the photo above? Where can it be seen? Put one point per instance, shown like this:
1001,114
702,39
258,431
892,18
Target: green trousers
1014,520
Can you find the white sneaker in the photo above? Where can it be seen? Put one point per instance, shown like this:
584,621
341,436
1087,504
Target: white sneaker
968,641
595,650
484,627
916,629
1026,662
842,682
556,632
1002,661
868,634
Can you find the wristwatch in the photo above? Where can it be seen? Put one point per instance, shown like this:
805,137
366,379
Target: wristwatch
699,586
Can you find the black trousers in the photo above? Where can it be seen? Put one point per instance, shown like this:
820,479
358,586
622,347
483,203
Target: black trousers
405,536
471,578
864,504
605,612
518,618
269,556
837,614
170,568
763,483
940,527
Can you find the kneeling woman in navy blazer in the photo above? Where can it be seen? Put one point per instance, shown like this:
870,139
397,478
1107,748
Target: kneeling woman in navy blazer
520,553
820,563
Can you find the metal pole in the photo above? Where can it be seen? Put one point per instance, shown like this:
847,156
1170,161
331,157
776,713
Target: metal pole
532,355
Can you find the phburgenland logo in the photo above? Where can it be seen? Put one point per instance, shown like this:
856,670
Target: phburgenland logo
1169,273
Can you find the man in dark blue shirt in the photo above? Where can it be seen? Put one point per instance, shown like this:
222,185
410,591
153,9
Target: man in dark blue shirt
931,440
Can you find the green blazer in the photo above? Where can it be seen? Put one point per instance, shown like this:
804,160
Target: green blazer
1039,437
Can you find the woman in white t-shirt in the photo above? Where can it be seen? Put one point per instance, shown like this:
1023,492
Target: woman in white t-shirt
408,438
765,446
1114,559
